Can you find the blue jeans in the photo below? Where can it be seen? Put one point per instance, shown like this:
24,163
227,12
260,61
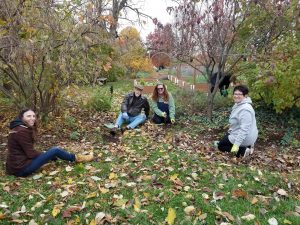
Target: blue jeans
52,154
164,107
133,121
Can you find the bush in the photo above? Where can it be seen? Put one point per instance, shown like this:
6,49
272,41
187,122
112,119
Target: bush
100,101
188,102
114,73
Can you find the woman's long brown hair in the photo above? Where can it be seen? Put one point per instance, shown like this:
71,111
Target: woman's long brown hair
165,94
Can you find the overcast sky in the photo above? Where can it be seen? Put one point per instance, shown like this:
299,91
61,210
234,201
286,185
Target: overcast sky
154,8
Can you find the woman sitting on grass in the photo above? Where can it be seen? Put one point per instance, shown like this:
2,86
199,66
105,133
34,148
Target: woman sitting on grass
242,132
22,160
162,104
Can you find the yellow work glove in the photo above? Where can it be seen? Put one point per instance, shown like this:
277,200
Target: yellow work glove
173,120
164,114
234,148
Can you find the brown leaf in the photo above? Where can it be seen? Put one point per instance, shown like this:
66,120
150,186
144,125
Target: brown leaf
67,213
218,195
239,193
254,201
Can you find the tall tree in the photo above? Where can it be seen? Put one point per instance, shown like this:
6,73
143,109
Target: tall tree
133,52
210,34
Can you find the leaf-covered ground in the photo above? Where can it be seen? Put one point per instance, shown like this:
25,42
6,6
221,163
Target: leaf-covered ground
154,175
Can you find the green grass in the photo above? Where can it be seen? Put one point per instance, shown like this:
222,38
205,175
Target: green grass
159,198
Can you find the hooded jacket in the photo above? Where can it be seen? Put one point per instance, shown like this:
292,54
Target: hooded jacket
20,147
243,130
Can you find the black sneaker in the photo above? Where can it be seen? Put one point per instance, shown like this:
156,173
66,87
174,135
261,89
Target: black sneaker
123,129
113,131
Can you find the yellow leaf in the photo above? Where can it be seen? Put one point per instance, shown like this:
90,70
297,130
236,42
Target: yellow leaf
171,216
56,210
93,222
103,190
287,221
113,176
137,205
91,195
121,202
146,194
174,177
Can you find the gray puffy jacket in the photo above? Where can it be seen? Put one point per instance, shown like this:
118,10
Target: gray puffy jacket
243,130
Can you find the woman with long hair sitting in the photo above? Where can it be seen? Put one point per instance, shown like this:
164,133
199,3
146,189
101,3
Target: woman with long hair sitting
22,160
162,104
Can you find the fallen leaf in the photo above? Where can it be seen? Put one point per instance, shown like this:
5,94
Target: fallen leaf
272,221
112,176
137,205
287,221
69,168
217,195
56,210
174,177
53,173
92,195
99,217
131,184
103,190
120,202
95,178
239,193
202,216
67,213
64,194
189,210
282,192
171,216
248,217
205,196
254,200
37,176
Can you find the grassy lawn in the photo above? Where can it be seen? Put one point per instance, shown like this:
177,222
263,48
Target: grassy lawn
154,175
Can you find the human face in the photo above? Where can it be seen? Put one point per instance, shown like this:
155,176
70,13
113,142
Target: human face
29,118
137,92
160,89
238,96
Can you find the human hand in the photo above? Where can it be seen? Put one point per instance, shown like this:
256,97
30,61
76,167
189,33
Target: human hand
164,114
173,120
125,116
234,148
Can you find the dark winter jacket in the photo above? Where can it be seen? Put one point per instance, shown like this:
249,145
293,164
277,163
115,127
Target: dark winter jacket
20,147
134,105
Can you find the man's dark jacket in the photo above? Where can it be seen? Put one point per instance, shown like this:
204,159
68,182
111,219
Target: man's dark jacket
134,105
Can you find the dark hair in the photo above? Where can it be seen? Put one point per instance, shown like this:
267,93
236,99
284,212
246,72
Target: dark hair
155,93
35,127
241,88
21,113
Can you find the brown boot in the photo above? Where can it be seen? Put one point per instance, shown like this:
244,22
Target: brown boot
84,158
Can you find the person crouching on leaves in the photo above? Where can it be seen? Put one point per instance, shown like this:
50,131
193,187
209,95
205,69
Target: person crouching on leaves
162,104
22,159
242,133
131,110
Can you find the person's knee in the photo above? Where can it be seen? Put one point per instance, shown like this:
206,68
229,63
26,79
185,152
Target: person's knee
54,148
